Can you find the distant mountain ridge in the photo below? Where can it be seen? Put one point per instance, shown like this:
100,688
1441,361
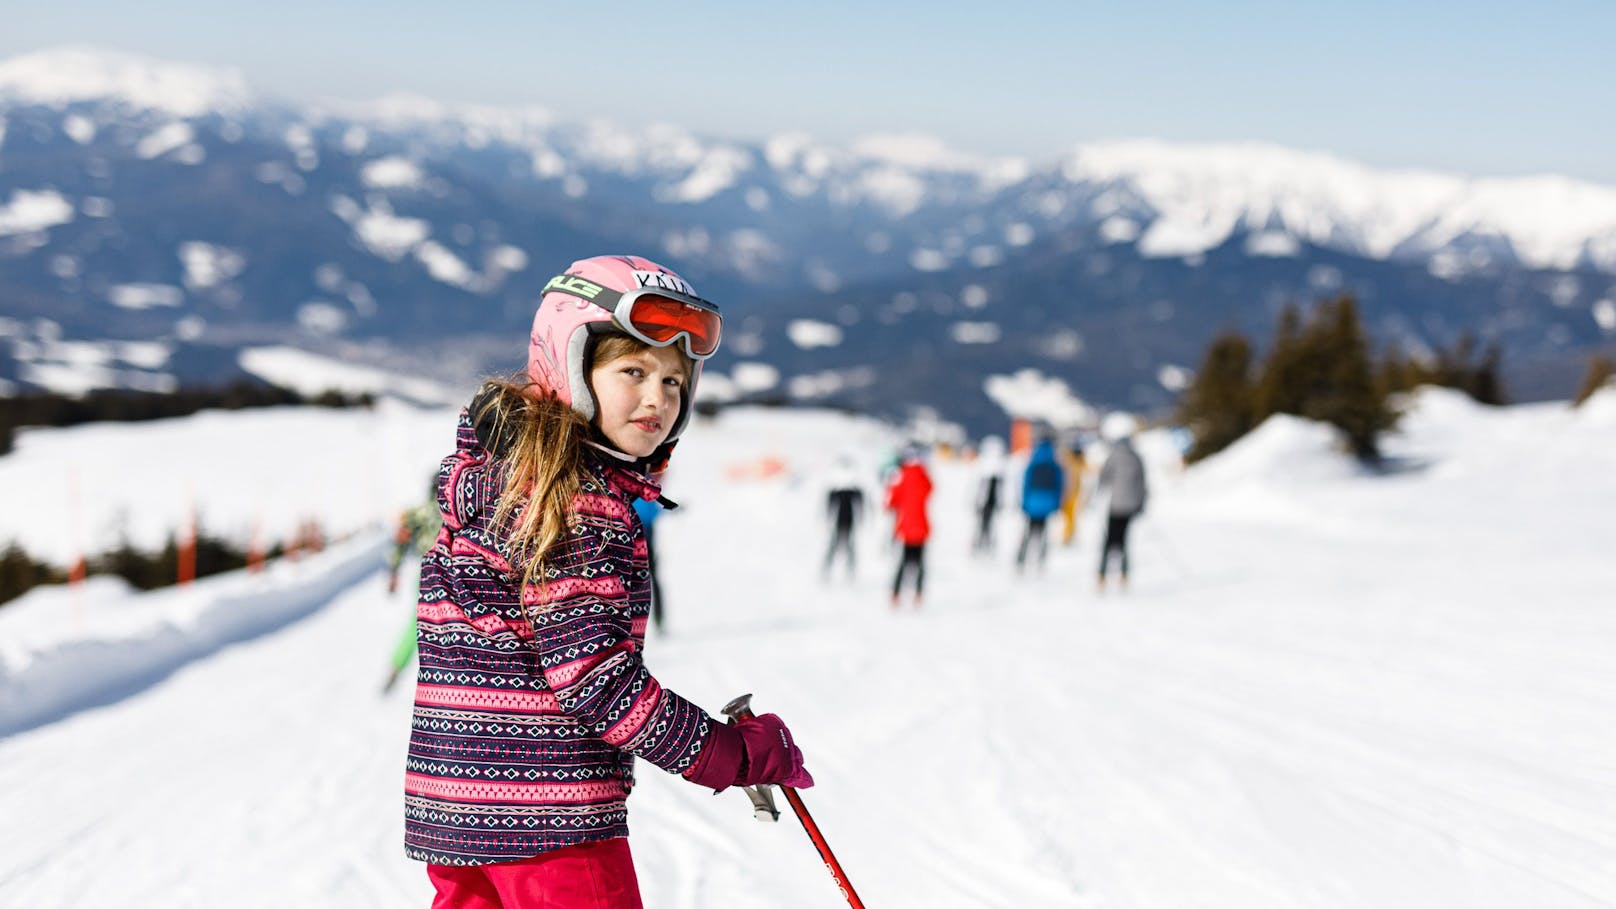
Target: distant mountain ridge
143,201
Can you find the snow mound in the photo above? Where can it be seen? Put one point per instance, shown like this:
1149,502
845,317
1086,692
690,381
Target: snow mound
1433,409
1599,410
1285,451
50,668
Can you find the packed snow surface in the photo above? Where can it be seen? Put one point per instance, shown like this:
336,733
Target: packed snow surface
1326,688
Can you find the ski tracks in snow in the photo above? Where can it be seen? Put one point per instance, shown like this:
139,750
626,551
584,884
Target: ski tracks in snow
1324,775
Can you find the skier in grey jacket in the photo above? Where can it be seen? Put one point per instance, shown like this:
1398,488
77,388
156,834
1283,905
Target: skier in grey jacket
1124,477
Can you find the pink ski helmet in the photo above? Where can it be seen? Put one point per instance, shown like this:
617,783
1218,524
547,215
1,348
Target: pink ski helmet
622,294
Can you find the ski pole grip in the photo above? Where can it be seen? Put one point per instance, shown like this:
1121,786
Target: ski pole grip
740,708
762,799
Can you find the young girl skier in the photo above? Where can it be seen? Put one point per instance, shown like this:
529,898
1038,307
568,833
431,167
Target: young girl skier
533,698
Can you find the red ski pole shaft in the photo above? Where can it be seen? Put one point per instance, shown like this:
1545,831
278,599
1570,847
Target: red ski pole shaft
831,865
741,709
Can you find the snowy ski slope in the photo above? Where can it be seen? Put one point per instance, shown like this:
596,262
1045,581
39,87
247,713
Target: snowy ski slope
1325,690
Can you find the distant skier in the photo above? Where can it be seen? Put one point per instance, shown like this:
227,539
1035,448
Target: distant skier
649,511
1073,465
844,505
906,499
1041,487
534,697
417,528
989,490
1124,477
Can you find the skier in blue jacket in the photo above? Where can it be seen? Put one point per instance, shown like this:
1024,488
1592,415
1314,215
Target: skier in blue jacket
649,511
1041,488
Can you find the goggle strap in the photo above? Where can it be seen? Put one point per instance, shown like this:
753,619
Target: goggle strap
585,289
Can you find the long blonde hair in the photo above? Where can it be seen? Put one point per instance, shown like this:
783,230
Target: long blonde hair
544,460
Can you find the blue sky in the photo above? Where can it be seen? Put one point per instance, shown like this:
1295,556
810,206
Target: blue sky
1476,88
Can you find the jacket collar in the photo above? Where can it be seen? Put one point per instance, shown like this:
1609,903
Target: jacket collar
623,475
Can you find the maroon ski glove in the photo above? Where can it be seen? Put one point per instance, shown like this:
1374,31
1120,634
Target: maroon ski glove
771,756
756,750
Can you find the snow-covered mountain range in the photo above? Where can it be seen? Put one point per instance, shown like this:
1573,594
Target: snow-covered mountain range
152,202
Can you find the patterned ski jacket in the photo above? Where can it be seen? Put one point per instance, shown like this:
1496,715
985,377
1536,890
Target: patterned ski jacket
525,730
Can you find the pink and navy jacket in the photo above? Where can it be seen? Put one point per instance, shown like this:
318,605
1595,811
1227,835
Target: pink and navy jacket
526,729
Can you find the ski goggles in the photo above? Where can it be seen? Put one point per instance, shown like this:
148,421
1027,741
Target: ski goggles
657,316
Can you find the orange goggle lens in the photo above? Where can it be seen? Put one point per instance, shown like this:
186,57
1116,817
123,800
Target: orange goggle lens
663,319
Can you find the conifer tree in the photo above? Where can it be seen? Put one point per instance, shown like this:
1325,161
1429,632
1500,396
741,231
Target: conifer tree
1220,405
1346,396
1452,368
1282,387
1453,364
1482,381
1321,371
1396,373
19,572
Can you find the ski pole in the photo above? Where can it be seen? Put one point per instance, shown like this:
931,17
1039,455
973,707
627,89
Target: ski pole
741,709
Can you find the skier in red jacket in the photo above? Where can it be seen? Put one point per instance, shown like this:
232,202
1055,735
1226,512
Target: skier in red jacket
906,499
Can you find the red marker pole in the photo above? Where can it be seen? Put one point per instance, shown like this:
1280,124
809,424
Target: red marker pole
185,571
741,709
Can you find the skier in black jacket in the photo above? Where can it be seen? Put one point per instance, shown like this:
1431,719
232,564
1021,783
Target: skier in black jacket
844,505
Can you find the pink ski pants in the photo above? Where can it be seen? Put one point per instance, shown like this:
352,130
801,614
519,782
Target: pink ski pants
588,876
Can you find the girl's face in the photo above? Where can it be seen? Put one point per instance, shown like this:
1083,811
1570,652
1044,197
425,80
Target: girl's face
638,397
